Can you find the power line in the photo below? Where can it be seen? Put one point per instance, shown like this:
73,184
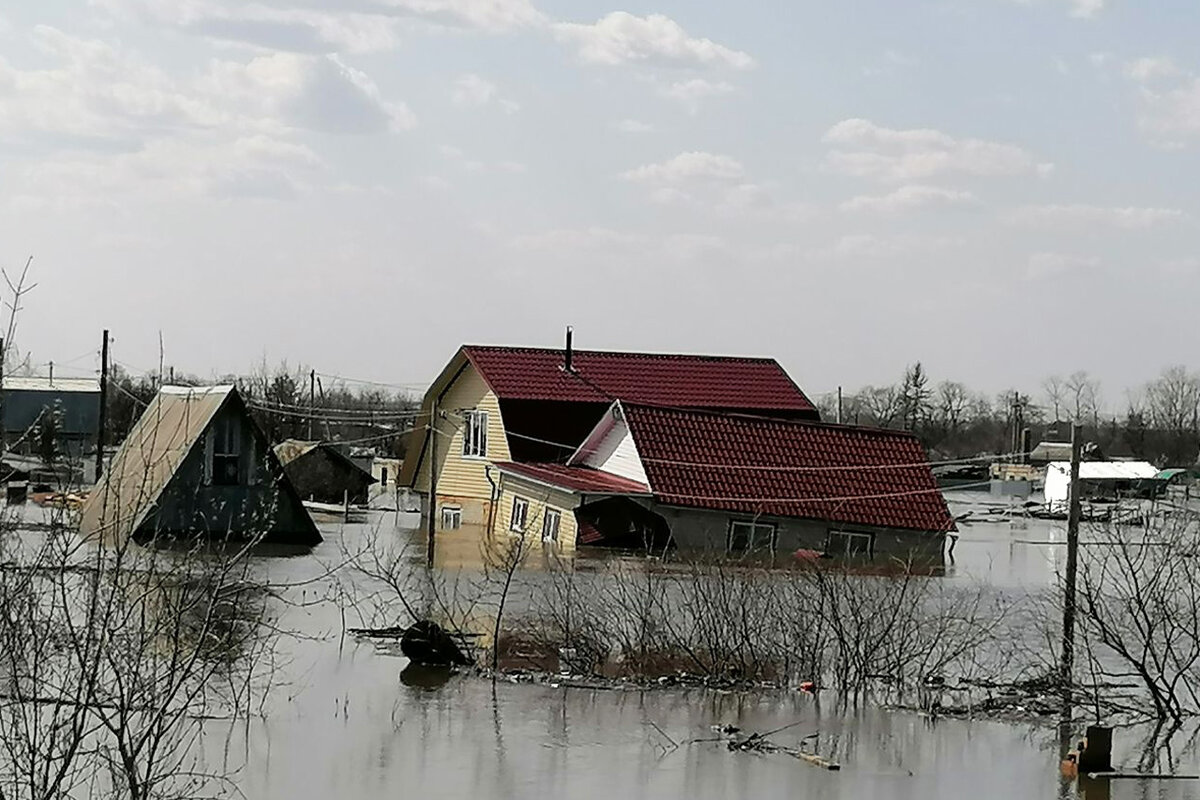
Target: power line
668,496
833,468
364,382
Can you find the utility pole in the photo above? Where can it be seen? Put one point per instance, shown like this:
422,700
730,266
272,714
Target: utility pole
102,423
432,434
1068,635
839,416
3,353
312,400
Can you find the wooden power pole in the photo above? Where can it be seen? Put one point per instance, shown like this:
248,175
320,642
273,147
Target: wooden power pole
312,400
433,434
1068,632
102,420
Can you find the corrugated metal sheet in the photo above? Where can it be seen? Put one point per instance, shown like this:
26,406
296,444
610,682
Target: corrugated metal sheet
167,430
47,385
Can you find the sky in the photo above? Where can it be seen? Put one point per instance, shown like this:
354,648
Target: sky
1001,189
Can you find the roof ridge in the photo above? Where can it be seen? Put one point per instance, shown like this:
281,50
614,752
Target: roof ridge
623,353
744,415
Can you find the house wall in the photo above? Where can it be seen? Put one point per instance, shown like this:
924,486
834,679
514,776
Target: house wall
701,530
463,480
540,498
321,476
190,505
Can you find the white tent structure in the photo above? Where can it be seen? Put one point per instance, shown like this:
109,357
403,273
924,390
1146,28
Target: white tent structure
1058,477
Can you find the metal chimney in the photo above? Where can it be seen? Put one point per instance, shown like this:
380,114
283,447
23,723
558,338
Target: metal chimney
567,354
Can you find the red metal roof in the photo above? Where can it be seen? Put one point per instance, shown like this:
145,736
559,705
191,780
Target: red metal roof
576,479
687,381
784,468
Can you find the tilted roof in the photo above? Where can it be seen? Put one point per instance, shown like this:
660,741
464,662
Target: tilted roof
752,465
45,384
149,456
576,479
690,381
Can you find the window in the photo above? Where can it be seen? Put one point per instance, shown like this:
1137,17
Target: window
520,510
226,436
849,543
451,518
383,476
747,537
550,525
475,434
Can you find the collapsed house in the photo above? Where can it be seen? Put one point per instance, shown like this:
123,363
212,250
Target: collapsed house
319,471
196,464
536,405
707,452
704,481
1101,480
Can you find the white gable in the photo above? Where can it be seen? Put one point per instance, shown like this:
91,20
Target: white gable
610,448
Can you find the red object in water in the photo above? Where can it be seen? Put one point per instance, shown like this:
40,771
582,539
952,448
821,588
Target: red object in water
806,555
809,686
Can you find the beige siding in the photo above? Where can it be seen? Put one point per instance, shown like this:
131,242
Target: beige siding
540,498
461,479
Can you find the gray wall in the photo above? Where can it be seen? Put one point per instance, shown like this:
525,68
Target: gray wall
699,530
81,410
188,506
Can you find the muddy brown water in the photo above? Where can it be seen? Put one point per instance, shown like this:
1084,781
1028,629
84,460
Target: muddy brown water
345,720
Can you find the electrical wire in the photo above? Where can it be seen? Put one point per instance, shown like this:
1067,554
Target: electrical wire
667,496
343,378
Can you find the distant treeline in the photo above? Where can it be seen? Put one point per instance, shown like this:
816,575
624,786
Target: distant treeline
364,416
1159,422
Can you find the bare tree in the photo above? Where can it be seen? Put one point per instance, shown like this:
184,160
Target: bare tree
1056,394
1083,396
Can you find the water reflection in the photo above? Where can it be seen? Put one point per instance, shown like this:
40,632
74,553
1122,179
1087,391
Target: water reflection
419,676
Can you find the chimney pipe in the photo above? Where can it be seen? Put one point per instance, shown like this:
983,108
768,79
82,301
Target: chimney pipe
567,354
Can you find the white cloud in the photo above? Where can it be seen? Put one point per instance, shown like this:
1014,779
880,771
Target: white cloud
632,126
318,93
624,38
1081,215
864,149
1049,265
593,239
473,91
367,26
690,93
909,197
1170,95
688,166
1181,267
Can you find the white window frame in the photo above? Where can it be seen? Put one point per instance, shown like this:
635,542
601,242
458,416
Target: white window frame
849,537
452,514
519,514
758,530
474,431
551,523
224,443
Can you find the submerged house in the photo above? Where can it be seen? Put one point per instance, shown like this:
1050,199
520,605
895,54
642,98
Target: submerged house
1101,480
712,481
320,471
519,404
633,449
197,464
73,404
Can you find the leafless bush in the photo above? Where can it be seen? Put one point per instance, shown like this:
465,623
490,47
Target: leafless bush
1139,612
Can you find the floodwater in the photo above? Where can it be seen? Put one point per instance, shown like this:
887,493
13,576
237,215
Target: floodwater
348,723
345,719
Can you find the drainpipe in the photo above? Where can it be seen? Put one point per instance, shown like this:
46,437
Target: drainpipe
487,471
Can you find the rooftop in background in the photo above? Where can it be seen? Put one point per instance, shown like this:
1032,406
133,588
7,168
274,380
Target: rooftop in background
45,384
666,379
577,479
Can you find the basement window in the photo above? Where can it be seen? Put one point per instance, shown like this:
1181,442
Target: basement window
520,510
451,518
475,425
850,543
747,537
550,523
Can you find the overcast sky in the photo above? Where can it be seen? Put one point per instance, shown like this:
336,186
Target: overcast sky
1001,189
